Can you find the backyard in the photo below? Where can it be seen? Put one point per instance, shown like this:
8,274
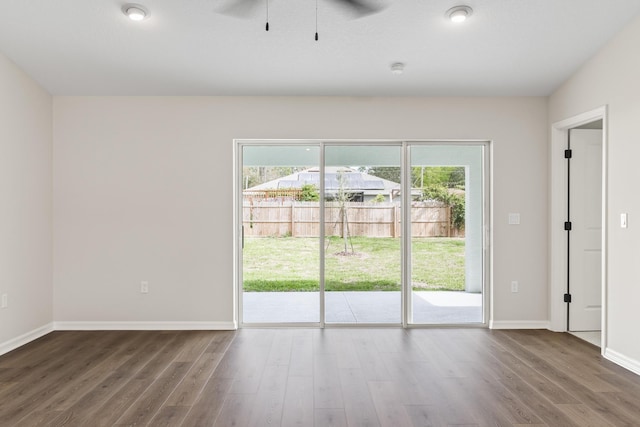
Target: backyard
281,264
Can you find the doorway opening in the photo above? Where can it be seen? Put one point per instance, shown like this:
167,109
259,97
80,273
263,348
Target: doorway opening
338,233
578,243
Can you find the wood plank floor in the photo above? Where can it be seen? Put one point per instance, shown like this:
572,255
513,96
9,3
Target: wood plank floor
314,377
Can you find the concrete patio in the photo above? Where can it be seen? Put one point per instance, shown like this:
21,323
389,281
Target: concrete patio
361,307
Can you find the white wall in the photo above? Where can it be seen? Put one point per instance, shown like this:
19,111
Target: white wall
25,205
143,191
611,77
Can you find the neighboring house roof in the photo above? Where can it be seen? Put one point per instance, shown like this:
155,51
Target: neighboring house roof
353,181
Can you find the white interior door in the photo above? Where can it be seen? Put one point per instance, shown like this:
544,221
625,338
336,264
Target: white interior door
585,262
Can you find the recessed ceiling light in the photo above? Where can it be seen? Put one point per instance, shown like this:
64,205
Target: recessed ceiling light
459,13
397,68
135,12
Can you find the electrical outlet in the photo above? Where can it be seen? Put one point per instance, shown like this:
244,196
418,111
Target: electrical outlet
5,301
144,287
514,286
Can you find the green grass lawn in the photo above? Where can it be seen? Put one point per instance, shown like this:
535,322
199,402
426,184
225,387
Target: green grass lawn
275,264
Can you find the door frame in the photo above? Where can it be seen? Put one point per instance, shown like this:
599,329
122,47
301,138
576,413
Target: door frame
487,212
558,211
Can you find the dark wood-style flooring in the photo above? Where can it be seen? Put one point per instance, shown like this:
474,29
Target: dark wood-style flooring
313,377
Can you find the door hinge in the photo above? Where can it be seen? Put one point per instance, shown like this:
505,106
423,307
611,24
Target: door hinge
567,297
567,226
568,154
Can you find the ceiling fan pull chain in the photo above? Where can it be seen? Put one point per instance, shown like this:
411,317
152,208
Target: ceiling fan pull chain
267,26
316,20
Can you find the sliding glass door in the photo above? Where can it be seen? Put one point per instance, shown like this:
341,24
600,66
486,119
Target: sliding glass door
377,233
362,257
280,234
447,239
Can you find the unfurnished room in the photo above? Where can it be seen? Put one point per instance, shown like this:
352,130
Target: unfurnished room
319,213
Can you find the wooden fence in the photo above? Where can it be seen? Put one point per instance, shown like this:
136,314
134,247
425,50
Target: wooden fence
301,219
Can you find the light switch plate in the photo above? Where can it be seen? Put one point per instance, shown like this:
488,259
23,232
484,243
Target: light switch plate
623,220
514,219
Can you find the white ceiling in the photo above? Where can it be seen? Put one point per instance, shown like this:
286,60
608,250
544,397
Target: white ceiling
187,47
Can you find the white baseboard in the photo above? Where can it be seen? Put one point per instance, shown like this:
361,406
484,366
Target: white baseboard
519,324
23,339
622,360
145,326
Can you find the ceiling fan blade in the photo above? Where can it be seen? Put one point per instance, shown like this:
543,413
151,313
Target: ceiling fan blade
360,7
240,8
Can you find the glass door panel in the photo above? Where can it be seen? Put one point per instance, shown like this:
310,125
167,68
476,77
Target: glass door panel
447,279
362,248
281,229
